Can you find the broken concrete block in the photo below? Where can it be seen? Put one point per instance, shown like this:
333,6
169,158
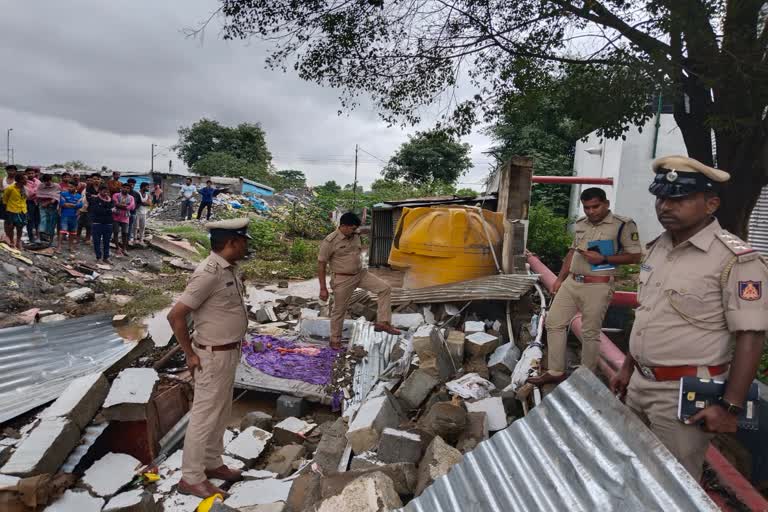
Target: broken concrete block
81,295
281,461
366,460
249,444
53,318
75,501
404,475
399,446
110,473
504,357
257,492
219,506
232,462
257,419
266,314
369,493
407,320
455,341
476,432
267,507
481,343
257,474
321,327
305,492
331,447
80,400
177,502
136,500
309,313
433,357
119,320
374,416
45,449
473,327
438,461
292,430
7,481
445,420
416,388
501,378
288,406
179,248
130,392
429,316
494,408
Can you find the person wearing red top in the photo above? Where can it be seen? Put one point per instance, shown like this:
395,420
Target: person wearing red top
33,211
121,213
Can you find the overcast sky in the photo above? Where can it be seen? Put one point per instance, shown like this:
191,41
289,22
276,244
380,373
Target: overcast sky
101,81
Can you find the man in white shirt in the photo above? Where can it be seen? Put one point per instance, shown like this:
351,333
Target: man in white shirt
188,192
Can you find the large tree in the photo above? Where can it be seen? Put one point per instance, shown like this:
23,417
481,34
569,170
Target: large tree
218,163
709,54
429,156
245,142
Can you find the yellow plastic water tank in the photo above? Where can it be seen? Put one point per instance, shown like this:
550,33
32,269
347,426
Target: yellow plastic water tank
446,244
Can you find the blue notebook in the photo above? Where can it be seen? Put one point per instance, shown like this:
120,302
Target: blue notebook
604,247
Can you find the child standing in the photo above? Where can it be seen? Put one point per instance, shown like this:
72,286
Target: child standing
70,203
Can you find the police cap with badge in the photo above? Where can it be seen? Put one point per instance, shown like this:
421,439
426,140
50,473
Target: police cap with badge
679,176
229,227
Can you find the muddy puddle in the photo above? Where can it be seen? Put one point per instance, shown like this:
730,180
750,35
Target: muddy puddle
155,325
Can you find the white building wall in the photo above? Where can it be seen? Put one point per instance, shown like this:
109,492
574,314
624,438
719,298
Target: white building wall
628,162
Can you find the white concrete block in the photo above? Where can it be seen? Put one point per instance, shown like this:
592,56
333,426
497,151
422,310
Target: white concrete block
75,501
229,436
80,400
309,313
8,481
374,416
45,449
292,430
321,327
407,320
127,499
232,462
178,502
506,355
130,392
249,444
369,493
169,483
81,295
172,463
258,492
493,407
473,326
110,473
481,343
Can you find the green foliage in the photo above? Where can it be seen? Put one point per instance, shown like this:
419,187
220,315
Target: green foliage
548,236
299,251
218,163
329,187
466,192
264,232
290,178
430,156
245,142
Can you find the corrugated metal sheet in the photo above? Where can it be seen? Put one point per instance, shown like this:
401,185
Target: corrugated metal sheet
495,287
758,224
579,450
37,362
378,347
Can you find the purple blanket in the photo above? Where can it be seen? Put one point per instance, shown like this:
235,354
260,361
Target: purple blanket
312,369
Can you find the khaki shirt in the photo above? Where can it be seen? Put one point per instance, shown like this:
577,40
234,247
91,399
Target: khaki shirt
341,253
686,318
215,294
607,229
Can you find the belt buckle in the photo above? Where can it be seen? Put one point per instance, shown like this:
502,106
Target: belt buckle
647,372
578,278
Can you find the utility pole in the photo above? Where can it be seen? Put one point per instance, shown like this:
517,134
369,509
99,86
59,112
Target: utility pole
170,166
354,186
8,145
13,157
152,165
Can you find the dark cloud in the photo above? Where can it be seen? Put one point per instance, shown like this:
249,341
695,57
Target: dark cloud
101,81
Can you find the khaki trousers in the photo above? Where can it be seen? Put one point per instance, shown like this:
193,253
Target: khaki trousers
211,408
343,286
592,300
656,404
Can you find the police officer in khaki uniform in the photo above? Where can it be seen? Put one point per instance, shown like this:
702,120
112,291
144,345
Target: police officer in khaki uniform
586,282
341,251
215,298
702,313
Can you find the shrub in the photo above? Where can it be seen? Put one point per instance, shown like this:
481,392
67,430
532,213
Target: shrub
300,251
548,236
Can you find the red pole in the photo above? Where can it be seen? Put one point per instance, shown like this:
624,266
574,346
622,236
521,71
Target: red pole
611,360
572,180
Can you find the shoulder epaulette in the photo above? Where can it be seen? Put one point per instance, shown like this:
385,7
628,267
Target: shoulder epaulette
330,237
652,242
737,246
580,219
211,267
624,219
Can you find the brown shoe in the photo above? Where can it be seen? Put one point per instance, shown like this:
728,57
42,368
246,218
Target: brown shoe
386,327
547,378
202,490
225,473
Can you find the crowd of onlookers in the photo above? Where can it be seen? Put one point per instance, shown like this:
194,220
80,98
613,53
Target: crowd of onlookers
54,209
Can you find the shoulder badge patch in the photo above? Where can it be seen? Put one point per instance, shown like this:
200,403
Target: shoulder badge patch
750,290
635,236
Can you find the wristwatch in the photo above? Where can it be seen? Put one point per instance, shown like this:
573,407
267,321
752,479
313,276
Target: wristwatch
734,409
